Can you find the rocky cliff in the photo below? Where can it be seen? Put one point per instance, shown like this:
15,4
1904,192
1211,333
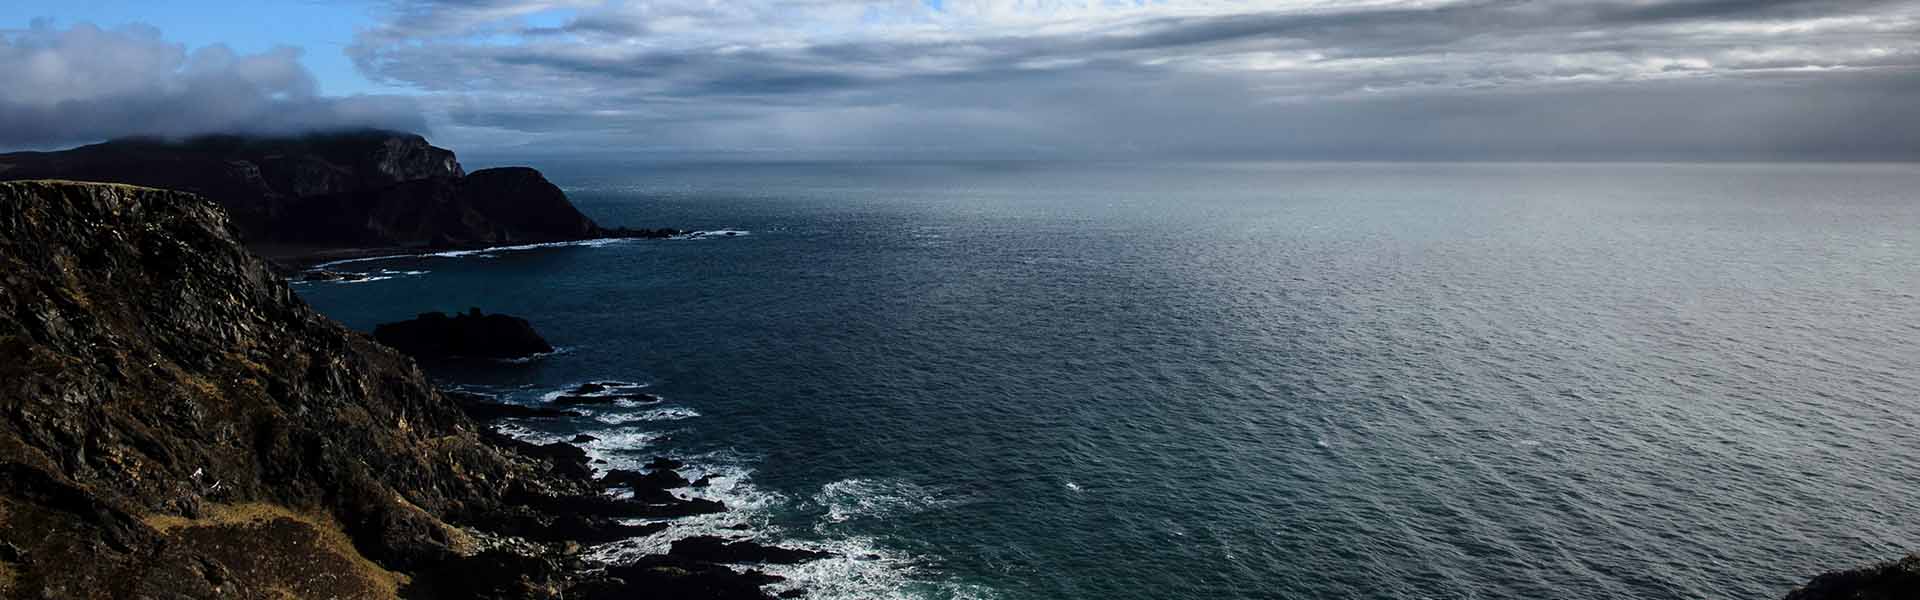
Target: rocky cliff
175,423
365,188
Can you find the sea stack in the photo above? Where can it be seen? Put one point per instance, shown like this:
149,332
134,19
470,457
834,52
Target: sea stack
472,334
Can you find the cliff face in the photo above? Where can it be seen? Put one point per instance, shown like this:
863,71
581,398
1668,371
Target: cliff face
174,422
503,206
369,188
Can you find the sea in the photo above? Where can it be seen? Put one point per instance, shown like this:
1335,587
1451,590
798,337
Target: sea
1093,380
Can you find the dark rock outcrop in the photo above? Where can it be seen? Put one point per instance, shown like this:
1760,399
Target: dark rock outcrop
164,394
471,335
671,577
352,189
258,180
176,423
1893,580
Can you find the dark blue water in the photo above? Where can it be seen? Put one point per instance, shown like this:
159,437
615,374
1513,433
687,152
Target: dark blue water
1247,381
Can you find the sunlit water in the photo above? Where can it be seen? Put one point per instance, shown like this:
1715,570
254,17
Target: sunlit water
1244,381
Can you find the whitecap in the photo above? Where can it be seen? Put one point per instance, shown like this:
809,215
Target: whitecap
862,568
620,448
527,434
487,252
714,233
671,413
729,484
850,499
533,357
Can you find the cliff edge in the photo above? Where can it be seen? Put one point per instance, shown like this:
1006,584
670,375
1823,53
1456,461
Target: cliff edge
347,189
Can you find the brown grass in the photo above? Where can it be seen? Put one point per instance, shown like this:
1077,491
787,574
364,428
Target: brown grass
226,525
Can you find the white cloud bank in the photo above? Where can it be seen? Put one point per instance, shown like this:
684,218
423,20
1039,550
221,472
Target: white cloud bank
80,84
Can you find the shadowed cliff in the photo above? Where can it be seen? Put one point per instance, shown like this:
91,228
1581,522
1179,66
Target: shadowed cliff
174,422
363,188
166,401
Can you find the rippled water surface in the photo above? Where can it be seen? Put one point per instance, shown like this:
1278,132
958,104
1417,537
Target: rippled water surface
1245,380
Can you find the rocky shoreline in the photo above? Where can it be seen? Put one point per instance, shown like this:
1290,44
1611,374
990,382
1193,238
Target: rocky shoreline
175,422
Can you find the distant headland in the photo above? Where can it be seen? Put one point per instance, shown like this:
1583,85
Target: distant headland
333,195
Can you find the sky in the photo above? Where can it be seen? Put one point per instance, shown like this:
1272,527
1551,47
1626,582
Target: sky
933,79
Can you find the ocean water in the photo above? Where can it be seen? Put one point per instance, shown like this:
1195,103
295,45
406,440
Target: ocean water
1144,381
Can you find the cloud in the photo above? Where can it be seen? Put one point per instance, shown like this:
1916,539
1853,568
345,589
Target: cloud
1307,78
84,83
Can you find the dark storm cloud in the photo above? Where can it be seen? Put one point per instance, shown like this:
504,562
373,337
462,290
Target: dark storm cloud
82,84
1545,78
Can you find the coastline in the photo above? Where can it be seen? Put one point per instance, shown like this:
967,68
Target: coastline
296,257
240,442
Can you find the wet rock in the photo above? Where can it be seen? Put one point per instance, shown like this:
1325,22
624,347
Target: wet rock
472,334
1885,581
650,486
581,529
600,505
582,439
718,550
672,577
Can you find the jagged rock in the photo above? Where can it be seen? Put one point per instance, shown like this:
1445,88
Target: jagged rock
671,577
1893,580
472,334
590,388
170,401
179,424
595,504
